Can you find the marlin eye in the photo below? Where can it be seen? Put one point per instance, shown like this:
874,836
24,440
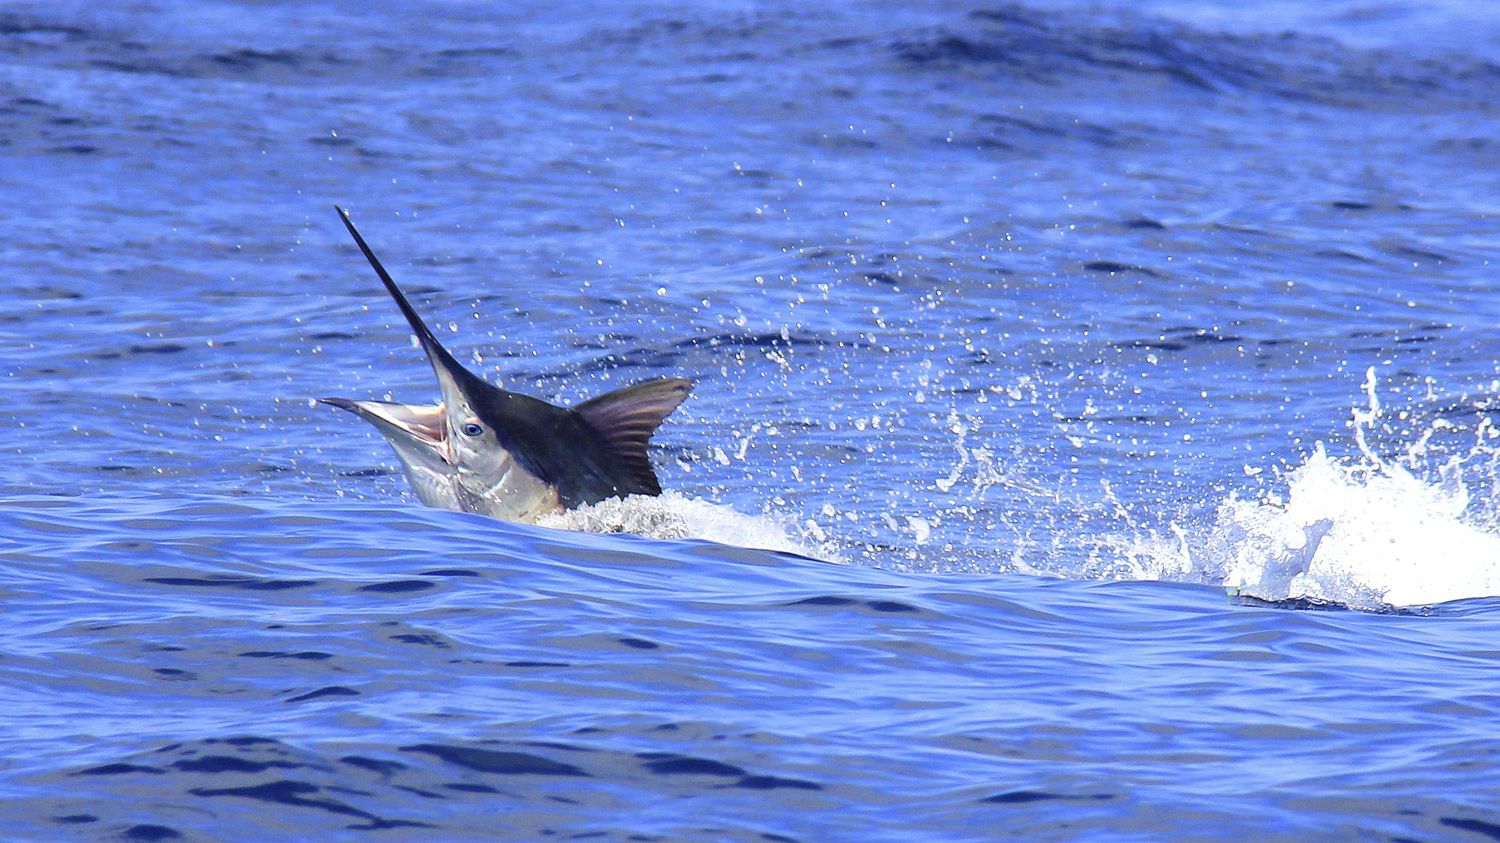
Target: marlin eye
472,429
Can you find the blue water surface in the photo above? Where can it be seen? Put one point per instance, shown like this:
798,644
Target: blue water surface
1093,434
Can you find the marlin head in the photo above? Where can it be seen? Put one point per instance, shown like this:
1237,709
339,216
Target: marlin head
499,453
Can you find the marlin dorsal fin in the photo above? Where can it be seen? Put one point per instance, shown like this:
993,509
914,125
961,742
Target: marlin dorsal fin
626,418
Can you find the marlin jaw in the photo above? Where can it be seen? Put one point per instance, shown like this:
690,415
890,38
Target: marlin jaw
425,425
490,451
419,436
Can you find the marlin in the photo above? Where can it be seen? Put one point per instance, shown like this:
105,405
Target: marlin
510,456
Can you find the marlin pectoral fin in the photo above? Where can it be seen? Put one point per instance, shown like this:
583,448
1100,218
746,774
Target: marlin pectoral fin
626,418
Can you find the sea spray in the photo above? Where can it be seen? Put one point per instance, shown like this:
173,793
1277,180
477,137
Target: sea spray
1366,532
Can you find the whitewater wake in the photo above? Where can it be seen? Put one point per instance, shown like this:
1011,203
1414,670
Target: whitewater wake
1366,532
673,515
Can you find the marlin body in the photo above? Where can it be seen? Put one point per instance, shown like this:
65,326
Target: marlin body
511,456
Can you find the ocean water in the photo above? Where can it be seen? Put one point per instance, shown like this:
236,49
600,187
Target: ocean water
1094,433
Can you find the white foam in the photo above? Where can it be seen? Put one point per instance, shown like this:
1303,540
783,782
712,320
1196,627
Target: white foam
675,516
1364,532
1358,535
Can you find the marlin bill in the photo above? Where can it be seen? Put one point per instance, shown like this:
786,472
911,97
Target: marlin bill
510,456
